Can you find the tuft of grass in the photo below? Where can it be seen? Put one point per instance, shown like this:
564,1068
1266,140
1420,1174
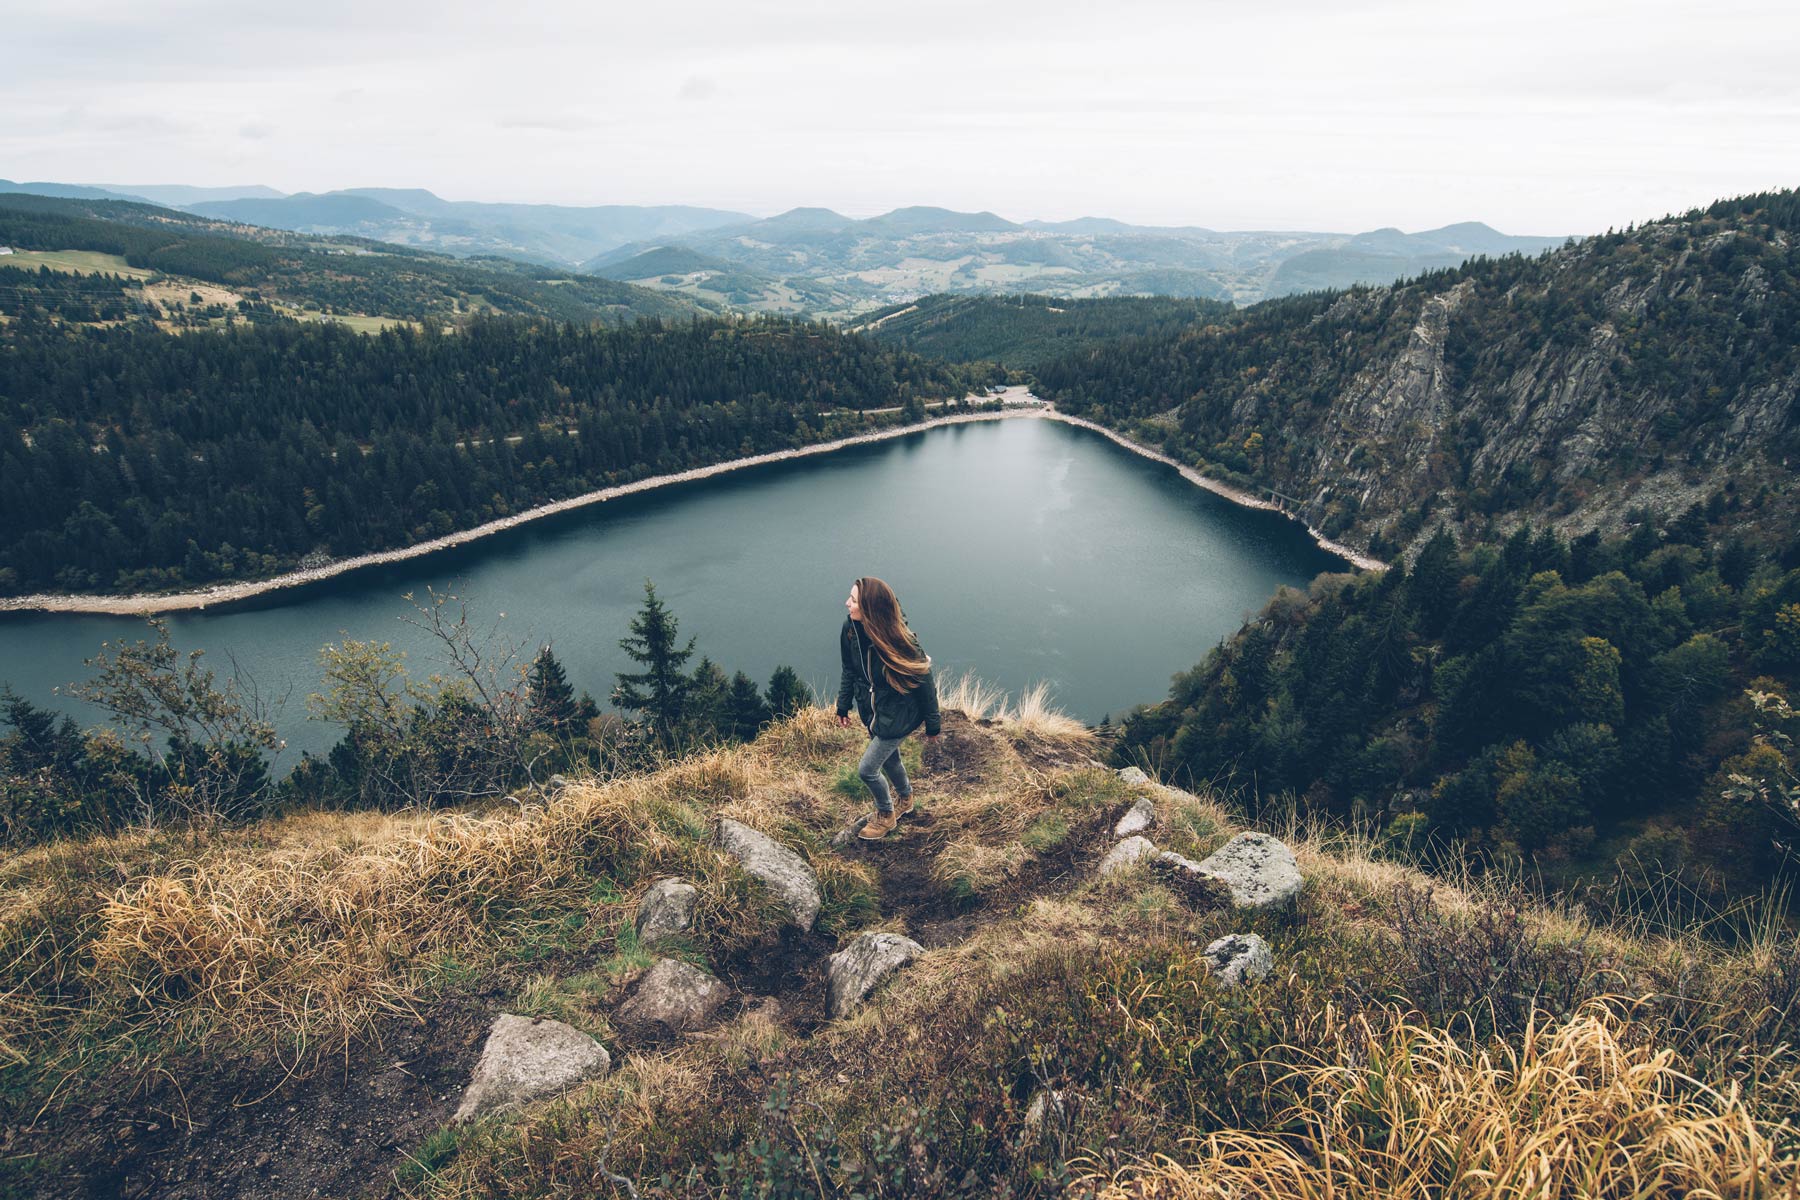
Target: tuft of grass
974,699
1034,714
433,1155
1585,1107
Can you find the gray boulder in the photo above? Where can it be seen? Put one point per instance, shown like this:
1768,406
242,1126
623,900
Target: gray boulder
666,910
1259,869
1239,958
526,1057
1125,854
785,872
852,972
1139,817
674,997
1134,776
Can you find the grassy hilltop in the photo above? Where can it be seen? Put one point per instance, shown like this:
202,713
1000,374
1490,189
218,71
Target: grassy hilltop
293,1007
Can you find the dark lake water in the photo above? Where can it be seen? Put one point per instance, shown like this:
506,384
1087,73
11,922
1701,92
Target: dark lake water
1022,550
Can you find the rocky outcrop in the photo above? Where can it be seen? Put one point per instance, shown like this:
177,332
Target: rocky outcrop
854,971
785,872
525,1058
1134,776
674,997
667,909
1238,959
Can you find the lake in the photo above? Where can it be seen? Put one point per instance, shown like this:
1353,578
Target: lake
1022,551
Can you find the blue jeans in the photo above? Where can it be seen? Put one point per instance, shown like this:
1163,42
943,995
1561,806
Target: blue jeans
883,758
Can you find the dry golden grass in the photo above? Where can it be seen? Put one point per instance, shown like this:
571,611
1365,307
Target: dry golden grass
1585,1108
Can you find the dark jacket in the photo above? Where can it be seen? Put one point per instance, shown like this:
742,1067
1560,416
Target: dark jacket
885,712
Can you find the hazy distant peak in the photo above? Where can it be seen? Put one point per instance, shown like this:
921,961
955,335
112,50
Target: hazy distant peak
921,218
808,218
180,194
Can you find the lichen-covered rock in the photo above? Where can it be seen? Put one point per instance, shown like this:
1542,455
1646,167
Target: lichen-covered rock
1139,817
1239,958
1259,869
1125,854
852,972
785,872
1134,776
525,1058
674,997
666,910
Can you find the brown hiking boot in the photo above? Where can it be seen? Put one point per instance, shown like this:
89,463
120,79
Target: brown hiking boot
905,807
878,826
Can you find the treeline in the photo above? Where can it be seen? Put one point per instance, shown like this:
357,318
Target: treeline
133,460
186,745
1567,703
1026,331
68,296
1504,386
335,275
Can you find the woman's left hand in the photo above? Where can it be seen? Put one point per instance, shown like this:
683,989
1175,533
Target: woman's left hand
931,737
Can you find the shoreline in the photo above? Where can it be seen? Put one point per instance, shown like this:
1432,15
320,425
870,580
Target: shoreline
227,593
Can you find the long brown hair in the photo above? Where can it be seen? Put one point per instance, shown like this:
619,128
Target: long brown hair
902,661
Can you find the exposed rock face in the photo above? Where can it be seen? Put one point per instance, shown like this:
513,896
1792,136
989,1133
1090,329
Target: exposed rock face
785,872
1238,959
666,910
1125,854
1134,776
674,997
1259,869
855,970
525,1058
1137,818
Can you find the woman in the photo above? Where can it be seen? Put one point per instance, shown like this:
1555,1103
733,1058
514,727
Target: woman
889,678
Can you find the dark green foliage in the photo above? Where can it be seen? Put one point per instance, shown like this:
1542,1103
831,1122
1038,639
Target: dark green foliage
787,695
661,691
553,706
1025,331
745,707
136,460
1520,712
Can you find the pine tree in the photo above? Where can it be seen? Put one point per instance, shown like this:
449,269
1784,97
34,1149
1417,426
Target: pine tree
553,705
660,691
746,708
708,716
787,695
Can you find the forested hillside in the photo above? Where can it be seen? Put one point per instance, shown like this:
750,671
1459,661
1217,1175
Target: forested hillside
1646,369
336,276
1582,706
1026,331
132,459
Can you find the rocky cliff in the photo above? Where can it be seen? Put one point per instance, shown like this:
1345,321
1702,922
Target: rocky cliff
1656,367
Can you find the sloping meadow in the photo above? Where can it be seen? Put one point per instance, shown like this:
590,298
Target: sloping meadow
1061,1034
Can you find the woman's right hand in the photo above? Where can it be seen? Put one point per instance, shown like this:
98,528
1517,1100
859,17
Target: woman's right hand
844,720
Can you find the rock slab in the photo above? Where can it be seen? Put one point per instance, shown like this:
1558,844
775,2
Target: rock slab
1259,870
1139,817
1125,854
1134,776
785,872
674,997
666,910
1239,958
853,972
525,1058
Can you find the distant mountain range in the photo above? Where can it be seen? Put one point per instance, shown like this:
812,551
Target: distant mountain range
822,263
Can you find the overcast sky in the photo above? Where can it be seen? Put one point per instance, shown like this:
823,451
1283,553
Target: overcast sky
1536,116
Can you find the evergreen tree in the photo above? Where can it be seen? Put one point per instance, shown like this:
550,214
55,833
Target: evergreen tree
709,703
660,691
745,705
553,705
787,695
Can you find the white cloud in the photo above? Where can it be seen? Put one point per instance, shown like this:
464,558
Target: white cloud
1536,116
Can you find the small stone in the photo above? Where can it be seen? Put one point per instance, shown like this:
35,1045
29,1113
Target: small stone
785,872
1259,869
854,971
666,910
1239,958
1125,854
1045,1103
525,1058
1139,817
555,784
1134,776
675,996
